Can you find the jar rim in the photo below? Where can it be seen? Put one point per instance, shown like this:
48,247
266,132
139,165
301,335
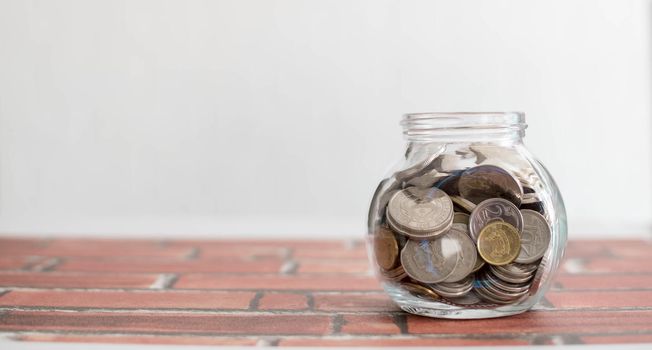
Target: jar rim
458,125
471,118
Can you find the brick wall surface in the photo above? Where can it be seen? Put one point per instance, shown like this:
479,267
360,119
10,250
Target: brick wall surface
291,293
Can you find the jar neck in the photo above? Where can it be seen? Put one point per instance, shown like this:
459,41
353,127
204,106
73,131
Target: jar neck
494,127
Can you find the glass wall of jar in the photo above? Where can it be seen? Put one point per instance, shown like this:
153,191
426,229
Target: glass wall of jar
469,224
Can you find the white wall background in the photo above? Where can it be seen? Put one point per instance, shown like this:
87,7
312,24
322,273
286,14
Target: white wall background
262,117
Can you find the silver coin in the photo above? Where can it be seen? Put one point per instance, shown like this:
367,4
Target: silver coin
540,275
385,190
508,287
469,298
535,237
421,213
463,284
485,295
428,179
507,278
461,218
518,270
494,209
420,160
502,293
468,254
488,181
450,162
448,293
430,261
463,203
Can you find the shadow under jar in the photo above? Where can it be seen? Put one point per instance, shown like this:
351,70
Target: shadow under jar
469,224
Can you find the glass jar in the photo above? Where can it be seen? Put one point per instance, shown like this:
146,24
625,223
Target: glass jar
469,224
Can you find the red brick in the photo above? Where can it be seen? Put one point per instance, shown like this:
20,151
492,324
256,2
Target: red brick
13,262
383,342
276,243
541,322
618,265
283,301
369,324
617,339
354,302
208,252
226,324
334,266
323,282
138,339
129,300
74,280
600,299
233,265
98,248
604,281
640,251
359,253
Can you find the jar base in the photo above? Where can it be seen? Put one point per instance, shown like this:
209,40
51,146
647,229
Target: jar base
422,307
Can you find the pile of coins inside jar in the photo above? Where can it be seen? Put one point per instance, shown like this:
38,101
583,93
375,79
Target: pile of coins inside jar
474,235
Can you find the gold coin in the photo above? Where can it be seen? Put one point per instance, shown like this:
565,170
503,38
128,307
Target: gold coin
421,291
385,248
499,243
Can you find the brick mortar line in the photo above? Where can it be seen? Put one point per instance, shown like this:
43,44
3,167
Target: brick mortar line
255,301
401,322
248,312
320,292
337,322
359,292
497,336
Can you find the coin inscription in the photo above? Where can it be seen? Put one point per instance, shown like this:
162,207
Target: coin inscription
488,181
430,261
535,237
492,210
420,212
499,243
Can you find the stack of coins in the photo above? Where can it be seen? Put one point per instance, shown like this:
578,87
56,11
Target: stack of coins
469,236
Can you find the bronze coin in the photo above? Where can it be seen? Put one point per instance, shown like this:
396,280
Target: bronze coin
385,248
489,181
499,243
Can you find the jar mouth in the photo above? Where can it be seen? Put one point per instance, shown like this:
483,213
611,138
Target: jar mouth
460,126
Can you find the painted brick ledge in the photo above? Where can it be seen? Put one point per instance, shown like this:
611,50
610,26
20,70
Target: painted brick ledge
291,293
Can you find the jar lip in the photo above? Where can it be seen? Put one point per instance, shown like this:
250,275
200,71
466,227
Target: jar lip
461,119
463,126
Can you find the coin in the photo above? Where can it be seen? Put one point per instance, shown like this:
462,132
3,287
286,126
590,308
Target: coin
428,179
491,210
499,243
396,274
535,237
450,162
507,277
385,248
454,289
419,160
461,218
430,261
421,291
449,184
488,181
420,213
468,254
470,298
385,190
463,203
506,286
